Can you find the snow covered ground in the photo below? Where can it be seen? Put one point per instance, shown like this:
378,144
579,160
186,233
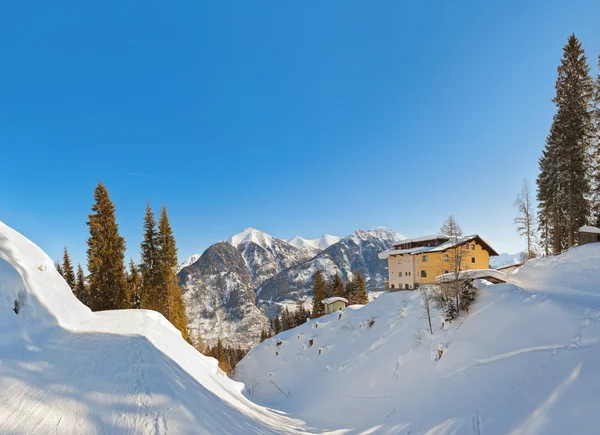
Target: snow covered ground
64,369
526,360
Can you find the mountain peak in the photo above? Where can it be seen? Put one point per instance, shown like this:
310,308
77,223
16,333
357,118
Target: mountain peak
321,243
250,235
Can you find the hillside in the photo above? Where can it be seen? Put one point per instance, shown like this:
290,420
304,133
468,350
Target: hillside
64,369
525,360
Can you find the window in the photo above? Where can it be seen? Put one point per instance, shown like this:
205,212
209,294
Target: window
406,286
446,271
472,259
423,274
446,258
472,247
425,258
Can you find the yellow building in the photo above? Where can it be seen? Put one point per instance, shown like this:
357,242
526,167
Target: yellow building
413,262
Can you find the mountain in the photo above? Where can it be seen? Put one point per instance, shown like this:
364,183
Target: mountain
67,370
218,292
523,361
505,259
189,261
358,251
265,255
314,246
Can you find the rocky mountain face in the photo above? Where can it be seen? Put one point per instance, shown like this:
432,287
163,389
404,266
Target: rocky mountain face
222,288
358,251
218,293
265,255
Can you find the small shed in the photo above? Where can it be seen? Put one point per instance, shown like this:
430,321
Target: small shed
588,234
334,304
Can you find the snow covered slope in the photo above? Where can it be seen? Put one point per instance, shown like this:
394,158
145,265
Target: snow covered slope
64,369
526,360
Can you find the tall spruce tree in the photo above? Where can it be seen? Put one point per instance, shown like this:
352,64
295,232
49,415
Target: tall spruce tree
68,273
151,297
173,309
80,288
350,291
59,268
336,287
134,282
319,293
360,291
105,255
563,182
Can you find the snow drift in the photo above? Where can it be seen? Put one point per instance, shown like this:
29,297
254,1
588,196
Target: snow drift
525,360
64,369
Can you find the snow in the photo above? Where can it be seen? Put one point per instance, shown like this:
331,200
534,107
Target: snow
589,229
505,259
333,299
64,369
436,248
189,262
320,244
525,360
251,235
473,274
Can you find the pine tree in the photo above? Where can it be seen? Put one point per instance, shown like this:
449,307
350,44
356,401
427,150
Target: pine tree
150,294
105,254
350,291
80,288
300,315
318,291
170,292
336,287
563,182
286,320
360,292
277,325
59,268
67,269
134,283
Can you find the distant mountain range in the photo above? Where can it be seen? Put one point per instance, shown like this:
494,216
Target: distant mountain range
223,287
505,259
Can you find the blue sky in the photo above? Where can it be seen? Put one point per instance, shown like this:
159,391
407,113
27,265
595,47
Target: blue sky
296,118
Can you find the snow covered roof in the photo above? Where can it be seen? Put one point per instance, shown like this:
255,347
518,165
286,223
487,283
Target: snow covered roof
422,239
589,229
333,299
439,248
473,274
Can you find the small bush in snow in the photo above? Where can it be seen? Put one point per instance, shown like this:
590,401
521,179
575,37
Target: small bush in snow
371,322
450,312
17,306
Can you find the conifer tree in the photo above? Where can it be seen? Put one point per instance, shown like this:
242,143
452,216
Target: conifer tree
67,268
350,291
360,291
170,292
318,291
134,282
80,288
59,268
276,325
336,287
563,182
105,255
300,315
150,294
286,322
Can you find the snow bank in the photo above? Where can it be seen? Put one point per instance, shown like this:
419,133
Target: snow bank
526,360
64,369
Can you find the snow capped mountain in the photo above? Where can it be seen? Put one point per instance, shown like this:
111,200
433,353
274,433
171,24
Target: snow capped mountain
189,261
358,251
525,360
65,369
314,246
505,259
266,255
218,293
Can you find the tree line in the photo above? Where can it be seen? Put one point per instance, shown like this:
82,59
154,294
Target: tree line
110,285
228,357
568,185
353,290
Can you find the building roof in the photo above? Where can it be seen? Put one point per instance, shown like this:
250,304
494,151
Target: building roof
589,229
333,299
441,247
493,274
421,239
